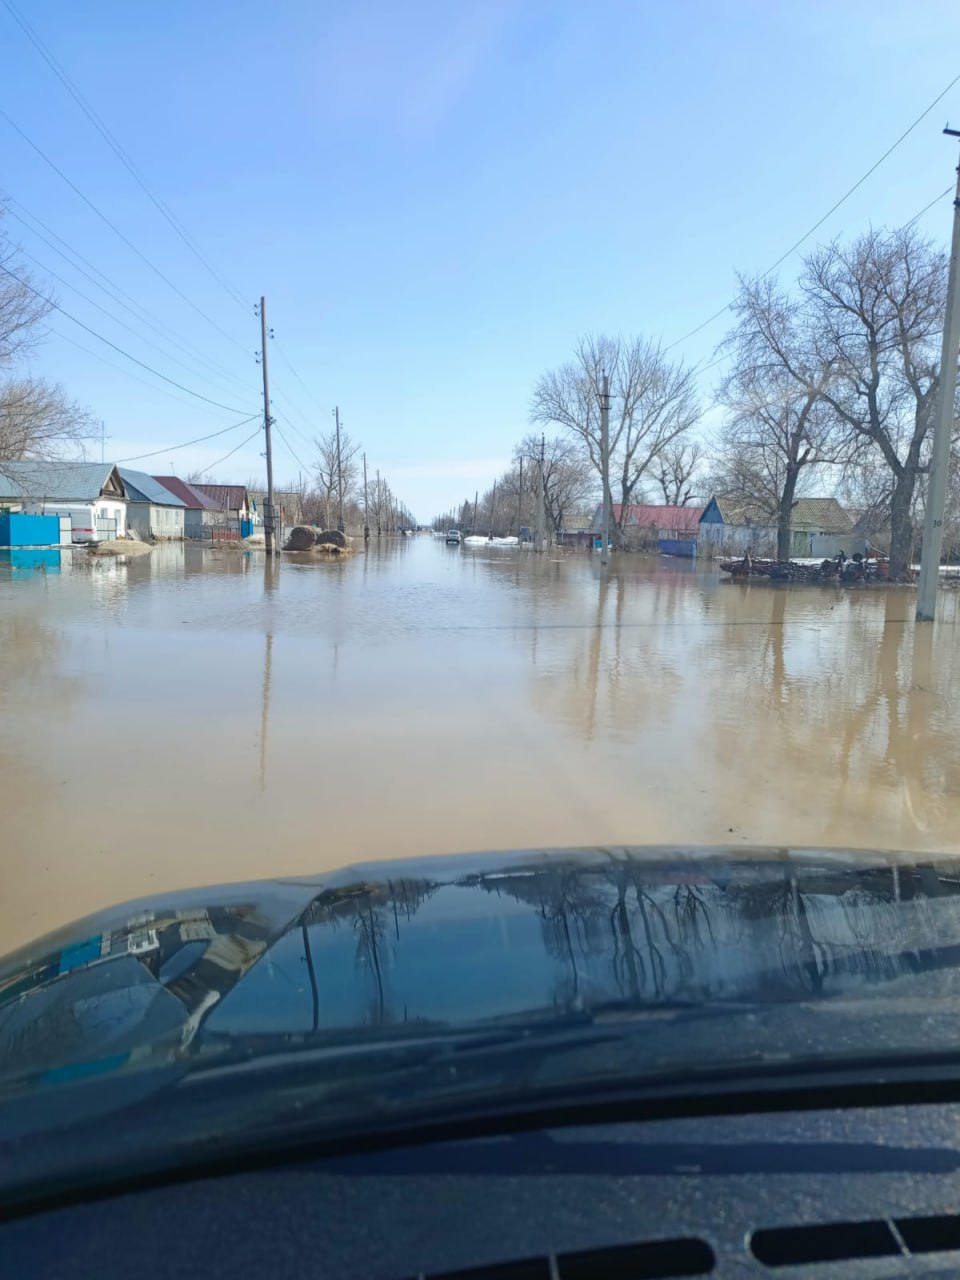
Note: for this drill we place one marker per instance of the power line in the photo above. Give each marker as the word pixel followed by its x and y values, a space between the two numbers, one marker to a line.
pixel 118 150
pixel 110 316
pixel 172 448
pixel 926 208
pixel 127 373
pixel 233 451
pixel 156 372
pixel 833 208
pixel 303 466
pixel 116 230
pixel 115 292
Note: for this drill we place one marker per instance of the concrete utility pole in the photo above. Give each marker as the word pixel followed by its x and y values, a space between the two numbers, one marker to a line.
pixel 476 500
pixel 605 469
pixel 268 525
pixel 940 458
pixel 379 501
pixel 336 413
pixel 366 503
pixel 520 498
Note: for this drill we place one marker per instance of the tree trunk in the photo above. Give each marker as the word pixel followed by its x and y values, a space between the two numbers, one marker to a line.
pixel 784 513
pixel 901 526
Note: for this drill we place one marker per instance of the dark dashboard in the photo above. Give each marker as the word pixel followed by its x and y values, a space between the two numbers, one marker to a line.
pixel 830 1194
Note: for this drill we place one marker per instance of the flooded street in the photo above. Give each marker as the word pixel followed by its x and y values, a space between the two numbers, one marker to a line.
pixel 196 716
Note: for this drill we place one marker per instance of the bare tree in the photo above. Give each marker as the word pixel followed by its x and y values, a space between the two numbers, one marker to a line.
pixel 37 420
pixel 335 472
pixel 568 478
pixel 676 470
pixel 653 402
pixel 876 308
pixel 22 306
pixel 780 421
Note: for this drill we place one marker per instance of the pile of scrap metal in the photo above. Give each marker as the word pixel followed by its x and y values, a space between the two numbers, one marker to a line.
pixel 837 570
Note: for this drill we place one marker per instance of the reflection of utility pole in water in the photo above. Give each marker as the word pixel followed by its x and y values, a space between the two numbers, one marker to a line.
pixel 270 579
pixel 596 648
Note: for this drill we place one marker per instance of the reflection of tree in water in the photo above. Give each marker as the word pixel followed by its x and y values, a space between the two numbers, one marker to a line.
pixel 373 912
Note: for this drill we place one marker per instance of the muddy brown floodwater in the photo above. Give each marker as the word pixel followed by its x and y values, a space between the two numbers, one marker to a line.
pixel 196 716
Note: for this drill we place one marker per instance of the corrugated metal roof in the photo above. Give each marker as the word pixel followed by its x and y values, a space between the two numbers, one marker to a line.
pixel 823 515
pixel 226 497
pixel 140 486
pixel 60 481
pixel 676 519
pixel 188 495
pixel 739 511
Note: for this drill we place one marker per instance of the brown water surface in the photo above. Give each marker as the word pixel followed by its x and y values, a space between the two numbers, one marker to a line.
pixel 196 716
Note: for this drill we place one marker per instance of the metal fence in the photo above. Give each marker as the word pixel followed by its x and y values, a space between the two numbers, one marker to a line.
pixel 105 528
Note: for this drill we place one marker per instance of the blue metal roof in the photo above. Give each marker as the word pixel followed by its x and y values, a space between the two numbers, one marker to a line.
pixel 60 481
pixel 143 488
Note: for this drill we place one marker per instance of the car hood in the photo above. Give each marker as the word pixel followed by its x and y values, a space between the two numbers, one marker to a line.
pixel 441 943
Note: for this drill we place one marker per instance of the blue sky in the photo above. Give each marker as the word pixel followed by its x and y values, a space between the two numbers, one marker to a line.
pixel 438 196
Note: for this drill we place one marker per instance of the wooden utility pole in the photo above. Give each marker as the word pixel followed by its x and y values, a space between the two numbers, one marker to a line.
pixel 339 474
pixel 476 500
pixel 268 521
pixel 493 507
pixel 366 504
pixel 943 431
pixel 541 501
pixel 520 499
pixel 379 503
pixel 605 469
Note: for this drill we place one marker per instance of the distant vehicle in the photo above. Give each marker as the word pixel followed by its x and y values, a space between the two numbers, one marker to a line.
pixel 453 536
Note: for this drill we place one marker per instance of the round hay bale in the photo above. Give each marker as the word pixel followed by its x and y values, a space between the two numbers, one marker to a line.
pixel 331 538
pixel 301 538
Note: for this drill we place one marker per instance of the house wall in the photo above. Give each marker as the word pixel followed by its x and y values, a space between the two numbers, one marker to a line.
pixel 152 521
pixel 825 546
pixel 718 539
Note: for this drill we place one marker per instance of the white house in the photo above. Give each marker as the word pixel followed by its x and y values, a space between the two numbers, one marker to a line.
pixel 90 493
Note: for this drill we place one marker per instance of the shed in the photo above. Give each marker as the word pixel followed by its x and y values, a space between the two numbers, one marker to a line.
pixel 91 494
pixel 201 515
pixel 733 526
pixel 152 510
pixel 819 527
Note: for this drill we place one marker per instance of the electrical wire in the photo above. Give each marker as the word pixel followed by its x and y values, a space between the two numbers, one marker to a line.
pixel 926 208
pixel 156 372
pixel 116 230
pixel 119 151
pixel 233 451
pixel 128 373
pixel 115 292
pixel 172 448
pixel 110 316
pixel 302 465
pixel 833 208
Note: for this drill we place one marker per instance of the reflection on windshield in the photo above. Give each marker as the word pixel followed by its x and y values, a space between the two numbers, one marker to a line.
pixel 526 940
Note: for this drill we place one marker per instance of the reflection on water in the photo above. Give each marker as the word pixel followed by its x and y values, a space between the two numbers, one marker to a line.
pixel 198 715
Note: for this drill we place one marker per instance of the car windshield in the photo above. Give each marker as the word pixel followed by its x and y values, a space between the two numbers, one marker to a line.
pixel 481 430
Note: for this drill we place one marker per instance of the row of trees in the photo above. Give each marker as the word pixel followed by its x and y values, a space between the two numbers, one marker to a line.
pixel 339 495
pixel 832 384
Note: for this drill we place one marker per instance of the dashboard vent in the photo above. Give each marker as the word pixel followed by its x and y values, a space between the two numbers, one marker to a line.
pixel 844 1241
pixel 650 1260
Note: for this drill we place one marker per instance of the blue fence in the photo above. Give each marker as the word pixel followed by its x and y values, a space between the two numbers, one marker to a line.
pixel 17 530
pixel 677 547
